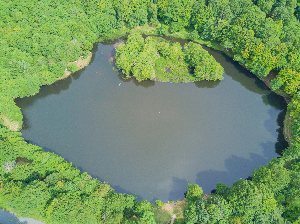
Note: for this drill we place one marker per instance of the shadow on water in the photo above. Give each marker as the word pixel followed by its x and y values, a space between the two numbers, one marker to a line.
pixel 208 179
pixel 281 143
pixel 243 75
pixel 176 191
pixel 233 67
pixel 122 190
pixel 279 103
pixel 146 84
pixel 274 100
pixel 207 84
pixel 53 89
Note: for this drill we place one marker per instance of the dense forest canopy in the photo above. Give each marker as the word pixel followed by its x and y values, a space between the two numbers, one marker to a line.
pixel 40 40
pixel 154 58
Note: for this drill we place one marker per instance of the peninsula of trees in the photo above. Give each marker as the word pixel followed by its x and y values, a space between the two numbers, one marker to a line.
pixel 154 58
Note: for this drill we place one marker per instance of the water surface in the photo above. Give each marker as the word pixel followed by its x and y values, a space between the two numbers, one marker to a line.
pixel 152 139
pixel 9 218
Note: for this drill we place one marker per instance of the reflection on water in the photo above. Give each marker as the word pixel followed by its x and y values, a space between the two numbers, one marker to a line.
pixel 152 139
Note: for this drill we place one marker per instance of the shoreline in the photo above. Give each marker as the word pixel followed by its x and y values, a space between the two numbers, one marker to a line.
pixel 83 62
pixel 80 63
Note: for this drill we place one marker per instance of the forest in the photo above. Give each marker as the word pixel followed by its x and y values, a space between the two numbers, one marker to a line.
pixel 154 58
pixel 39 40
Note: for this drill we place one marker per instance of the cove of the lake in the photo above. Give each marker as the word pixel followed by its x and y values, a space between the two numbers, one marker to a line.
pixel 152 139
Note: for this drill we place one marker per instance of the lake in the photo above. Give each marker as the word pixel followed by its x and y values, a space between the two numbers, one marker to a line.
pixel 152 139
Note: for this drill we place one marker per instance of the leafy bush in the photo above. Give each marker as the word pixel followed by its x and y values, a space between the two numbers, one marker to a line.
pixel 157 59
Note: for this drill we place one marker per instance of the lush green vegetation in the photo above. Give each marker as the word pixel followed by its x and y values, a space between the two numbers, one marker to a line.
pixel 154 58
pixel 39 42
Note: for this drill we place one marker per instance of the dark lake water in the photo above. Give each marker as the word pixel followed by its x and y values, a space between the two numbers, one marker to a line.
pixel 152 139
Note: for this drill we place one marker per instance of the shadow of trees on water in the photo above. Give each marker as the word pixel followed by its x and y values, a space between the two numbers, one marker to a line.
pixel 235 168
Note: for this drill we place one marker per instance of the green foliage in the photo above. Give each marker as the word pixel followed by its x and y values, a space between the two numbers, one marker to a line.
pixel 203 65
pixel 39 40
pixel 144 210
pixel 290 195
pixel 195 210
pixel 262 42
pixel 294 115
pixel 157 59
pixel 205 209
pixel 288 80
pixel 252 202
pixel 275 176
pixel 159 203
pixel 194 191
pixel 175 13
pixel 133 13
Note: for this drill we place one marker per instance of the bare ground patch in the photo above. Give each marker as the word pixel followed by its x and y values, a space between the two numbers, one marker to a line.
pixel 10 124
pixel 174 209
pixel 80 63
